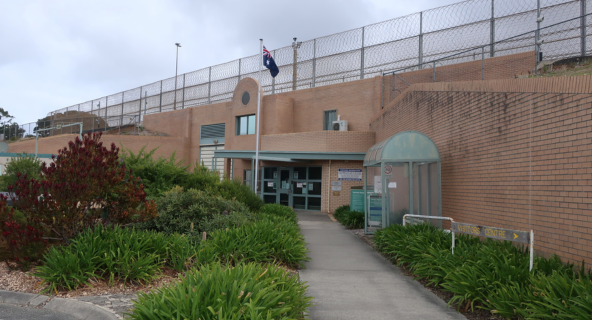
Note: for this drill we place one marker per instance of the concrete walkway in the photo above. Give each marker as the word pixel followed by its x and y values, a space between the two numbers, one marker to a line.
pixel 349 280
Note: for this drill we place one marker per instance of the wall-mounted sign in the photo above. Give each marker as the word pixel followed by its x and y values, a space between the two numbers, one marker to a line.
pixel 270 183
pixel 349 174
pixel 336 188
pixel 378 184
pixel 299 185
pixel 335 183
pixel 491 232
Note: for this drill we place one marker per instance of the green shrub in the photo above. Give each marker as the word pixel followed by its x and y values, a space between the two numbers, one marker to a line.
pixel 163 174
pixel 223 221
pixel 348 218
pixel 24 164
pixel 271 238
pixel 179 209
pixel 247 291
pixel 339 211
pixel 280 211
pixel 114 254
pixel 236 190
pixel 158 175
pixel 490 274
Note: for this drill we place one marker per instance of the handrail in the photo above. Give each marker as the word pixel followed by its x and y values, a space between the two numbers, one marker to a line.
pixel 435 218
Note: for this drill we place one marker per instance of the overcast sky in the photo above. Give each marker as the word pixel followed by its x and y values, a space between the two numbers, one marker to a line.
pixel 57 53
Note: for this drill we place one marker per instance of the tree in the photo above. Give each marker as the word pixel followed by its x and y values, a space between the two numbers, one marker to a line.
pixel 23 164
pixel 87 184
pixel 43 123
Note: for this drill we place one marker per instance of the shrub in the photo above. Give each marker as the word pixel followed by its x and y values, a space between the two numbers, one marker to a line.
pixel 86 182
pixel 348 218
pixel 490 274
pixel 281 211
pixel 179 209
pixel 223 221
pixel 24 164
pixel 246 291
pixel 114 254
pixel 161 175
pixel 158 175
pixel 23 236
pixel 272 238
pixel 235 189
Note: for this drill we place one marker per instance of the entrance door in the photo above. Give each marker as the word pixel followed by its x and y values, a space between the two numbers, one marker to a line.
pixel 285 187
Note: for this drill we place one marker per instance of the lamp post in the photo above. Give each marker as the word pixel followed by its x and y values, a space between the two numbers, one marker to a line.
pixel 176 69
pixel 295 46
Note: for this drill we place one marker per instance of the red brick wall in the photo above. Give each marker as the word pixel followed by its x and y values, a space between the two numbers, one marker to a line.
pixel 515 154
pixel 321 141
pixel 50 145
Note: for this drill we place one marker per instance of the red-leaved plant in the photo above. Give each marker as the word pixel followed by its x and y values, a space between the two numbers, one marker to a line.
pixel 86 185
pixel 23 236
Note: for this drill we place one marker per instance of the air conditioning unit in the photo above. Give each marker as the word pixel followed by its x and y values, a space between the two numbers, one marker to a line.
pixel 340 125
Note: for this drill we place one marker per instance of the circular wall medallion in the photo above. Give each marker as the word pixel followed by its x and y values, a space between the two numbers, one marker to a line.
pixel 246 98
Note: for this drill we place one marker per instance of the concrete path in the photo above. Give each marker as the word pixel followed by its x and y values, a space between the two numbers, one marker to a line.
pixel 349 280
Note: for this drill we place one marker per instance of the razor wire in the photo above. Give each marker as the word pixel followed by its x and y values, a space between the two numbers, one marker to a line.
pixel 441 34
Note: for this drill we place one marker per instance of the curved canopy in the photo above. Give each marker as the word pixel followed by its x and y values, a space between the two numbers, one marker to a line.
pixel 403 147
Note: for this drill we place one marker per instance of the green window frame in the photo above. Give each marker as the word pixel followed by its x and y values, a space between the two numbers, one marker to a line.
pixel 245 125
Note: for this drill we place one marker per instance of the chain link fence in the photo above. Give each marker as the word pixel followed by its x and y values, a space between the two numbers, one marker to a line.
pixel 119 124
pixel 567 39
pixel 444 35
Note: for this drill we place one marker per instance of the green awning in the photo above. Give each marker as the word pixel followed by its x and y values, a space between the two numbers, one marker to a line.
pixel 403 147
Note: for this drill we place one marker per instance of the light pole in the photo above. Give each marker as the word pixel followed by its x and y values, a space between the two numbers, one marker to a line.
pixel 176 69
pixel 295 46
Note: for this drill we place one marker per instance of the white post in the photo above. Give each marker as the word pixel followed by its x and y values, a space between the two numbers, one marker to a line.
pixel 258 116
pixel 531 250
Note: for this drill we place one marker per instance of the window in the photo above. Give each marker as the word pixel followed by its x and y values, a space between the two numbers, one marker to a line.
pixel 245 125
pixel 330 116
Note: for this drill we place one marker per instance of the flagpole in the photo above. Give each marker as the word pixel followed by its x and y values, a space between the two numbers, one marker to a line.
pixel 258 115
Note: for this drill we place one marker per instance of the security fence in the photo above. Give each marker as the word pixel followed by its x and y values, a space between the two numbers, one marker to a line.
pixel 567 39
pixel 411 41
pixel 120 124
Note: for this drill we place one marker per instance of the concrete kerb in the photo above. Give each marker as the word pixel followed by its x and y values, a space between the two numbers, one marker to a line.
pixel 78 309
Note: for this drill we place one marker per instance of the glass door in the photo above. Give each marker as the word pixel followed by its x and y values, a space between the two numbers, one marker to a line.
pixel 285 187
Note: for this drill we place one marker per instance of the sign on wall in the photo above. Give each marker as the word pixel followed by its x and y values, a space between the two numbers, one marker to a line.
pixel 349 174
pixel 491 232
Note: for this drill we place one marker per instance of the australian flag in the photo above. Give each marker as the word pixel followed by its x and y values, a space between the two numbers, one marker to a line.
pixel 270 63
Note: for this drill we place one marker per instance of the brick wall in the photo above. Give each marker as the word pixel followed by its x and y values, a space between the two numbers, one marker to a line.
pixel 504 67
pixel 50 145
pixel 321 141
pixel 515 154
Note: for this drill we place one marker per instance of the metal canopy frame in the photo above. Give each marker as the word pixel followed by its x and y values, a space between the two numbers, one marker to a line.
pixel 410 149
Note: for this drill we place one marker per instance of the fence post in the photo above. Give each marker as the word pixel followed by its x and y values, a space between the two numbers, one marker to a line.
pixel 145 101
pixel 239 69
pixel 183 96
pixel 314 62
pixel 420 58
pixel 382 104
pixel 140 106
pixel 160 104
pixel 434 71
pixel 537 33
pixel 482 63
pixel 273 80
pixel 210 86
pixel 121 116
pixel 583 27
pixel 362 55
pixel 92 102
pixel 106 105
pixel 492 29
